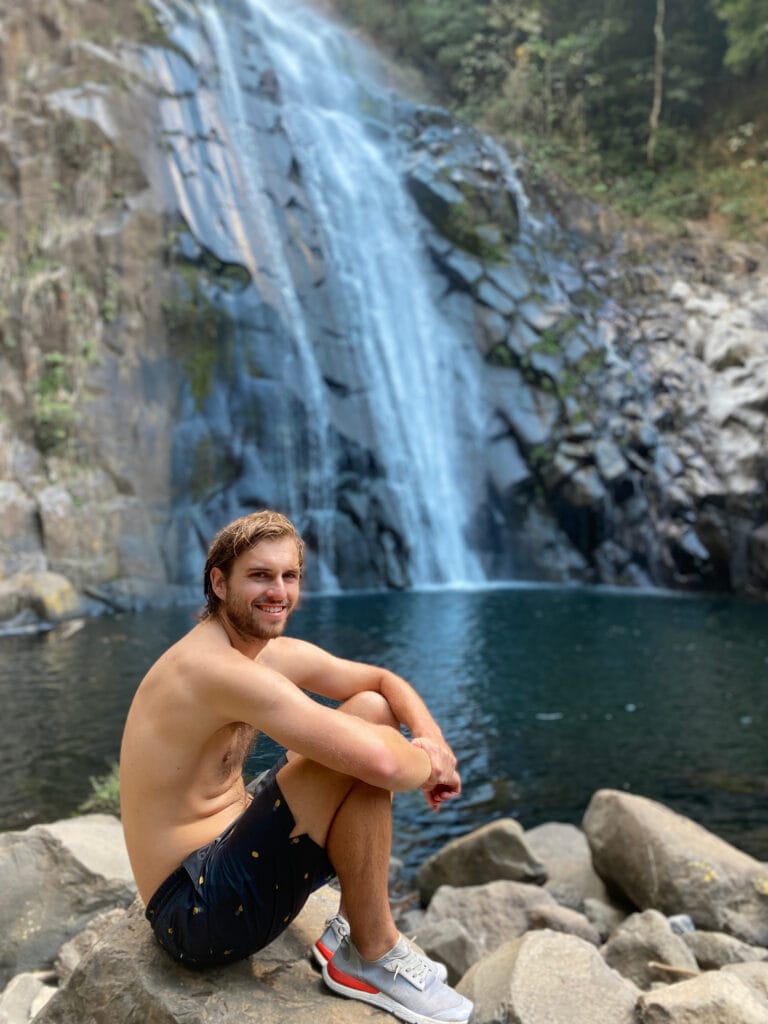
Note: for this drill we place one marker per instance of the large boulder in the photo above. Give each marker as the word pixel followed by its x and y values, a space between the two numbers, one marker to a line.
pixel 449 942
pixel 712 998
pixel 491 914
pixel 55 879
pixel 127 977
pixel 495 851
pixel 662 860
pixel 564 851
pixel 548 978
pixel 754 975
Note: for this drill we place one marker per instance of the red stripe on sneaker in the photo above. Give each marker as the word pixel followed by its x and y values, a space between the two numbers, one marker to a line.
pixel 323 950
pixel 348 981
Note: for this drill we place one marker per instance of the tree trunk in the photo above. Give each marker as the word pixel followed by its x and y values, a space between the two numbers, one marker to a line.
pixel 658 83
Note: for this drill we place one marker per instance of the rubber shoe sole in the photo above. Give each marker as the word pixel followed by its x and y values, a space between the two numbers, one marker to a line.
pixel 353 988
pixel 321 954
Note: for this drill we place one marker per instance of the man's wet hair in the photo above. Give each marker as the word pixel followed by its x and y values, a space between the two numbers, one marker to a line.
pixel 238 536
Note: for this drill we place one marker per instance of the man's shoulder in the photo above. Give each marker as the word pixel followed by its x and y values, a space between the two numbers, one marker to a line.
pixel 281 646
pixel 196 651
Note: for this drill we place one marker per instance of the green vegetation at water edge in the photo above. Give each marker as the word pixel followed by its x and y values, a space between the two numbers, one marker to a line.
pixel 105 793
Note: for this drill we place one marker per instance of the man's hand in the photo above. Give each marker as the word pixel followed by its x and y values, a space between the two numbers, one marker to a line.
pixel 444 782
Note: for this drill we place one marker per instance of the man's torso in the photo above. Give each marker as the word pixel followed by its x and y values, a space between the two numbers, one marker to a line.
pixel 180 768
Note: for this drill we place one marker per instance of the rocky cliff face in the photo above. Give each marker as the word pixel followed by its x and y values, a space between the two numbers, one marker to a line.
pixel 628 381
pixel 624 383
pixel 87 387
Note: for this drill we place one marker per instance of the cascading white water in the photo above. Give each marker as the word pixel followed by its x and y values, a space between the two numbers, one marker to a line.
pixel 421 379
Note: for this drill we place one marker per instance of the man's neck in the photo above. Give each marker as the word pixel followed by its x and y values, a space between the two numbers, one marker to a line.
pixel 250 646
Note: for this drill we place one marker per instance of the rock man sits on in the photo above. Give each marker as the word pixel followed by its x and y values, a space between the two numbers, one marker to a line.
pixel 224 868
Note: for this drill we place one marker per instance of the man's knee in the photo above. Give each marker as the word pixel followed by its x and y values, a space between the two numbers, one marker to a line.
pixel 372 706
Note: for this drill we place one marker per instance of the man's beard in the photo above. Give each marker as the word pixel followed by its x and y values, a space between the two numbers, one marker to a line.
pixel 241 617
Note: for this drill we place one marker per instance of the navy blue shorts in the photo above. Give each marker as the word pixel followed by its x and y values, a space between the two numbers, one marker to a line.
pixel 234 896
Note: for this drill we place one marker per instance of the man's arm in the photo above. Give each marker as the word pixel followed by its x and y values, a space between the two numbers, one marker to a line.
pixel 314 669
pixel 233 688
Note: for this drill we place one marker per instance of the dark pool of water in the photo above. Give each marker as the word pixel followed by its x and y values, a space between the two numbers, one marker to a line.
pixel 545 694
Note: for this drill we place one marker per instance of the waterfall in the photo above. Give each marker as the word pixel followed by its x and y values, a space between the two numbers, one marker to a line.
pixel 385 370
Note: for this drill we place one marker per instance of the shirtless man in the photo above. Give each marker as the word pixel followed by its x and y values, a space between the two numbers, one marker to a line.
pixel 224 869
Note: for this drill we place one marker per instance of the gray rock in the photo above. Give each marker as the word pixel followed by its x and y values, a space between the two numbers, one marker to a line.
pixel 491 914
pixel 23 997
pixel 48 596
pixel 127 977
pixel 610 462
pixel 659 859
pixel 712 998
pixel 563 919
pixel 495 299
pixel 450 943
pixel 755 975
pixel 507 469
pixel 604 916
pixel 646 939
pixel 495 851
pixel 56 878
pixel 510 278
pixel 728 343
pixel 564 851
pixel 585 488
pixel 20 540
pixel 73 951
pixel 714 950
pixel 530 414
pixel 547 978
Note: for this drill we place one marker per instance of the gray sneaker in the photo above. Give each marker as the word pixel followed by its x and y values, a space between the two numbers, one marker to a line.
pixel 401 982
pixel 337 928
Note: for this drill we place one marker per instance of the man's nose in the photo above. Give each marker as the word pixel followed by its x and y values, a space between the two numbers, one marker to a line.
pixel 277 587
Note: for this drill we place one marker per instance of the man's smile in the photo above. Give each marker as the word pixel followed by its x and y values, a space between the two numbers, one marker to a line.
pixel 270 609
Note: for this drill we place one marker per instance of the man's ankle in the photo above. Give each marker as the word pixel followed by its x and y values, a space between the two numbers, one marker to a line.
pixel 375 947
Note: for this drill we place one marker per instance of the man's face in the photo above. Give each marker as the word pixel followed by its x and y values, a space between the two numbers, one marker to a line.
pixel 262 588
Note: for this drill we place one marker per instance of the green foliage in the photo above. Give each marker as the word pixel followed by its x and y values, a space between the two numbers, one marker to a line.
pixel 105 793
pixel 150 28
pixel 54 406
pixel 746 29
pixel 109 306
pixel 576 84
pixel 199 333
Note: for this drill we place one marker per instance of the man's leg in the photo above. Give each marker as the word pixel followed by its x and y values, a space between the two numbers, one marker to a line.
pixel 353 821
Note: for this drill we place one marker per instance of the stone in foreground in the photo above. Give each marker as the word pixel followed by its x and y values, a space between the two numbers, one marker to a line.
pixel 661 860
pixel 491 914
pixel 548 978
pixel 712 998
pixel 55 879
pixel 495 851
pixel 127 977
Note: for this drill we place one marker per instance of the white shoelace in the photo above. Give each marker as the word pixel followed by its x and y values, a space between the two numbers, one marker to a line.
pixel 412 967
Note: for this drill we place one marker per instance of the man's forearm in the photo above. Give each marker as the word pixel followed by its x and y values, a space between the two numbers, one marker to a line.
pixel 408 707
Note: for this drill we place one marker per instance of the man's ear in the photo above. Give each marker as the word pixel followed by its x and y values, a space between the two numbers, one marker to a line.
pixel 218 583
